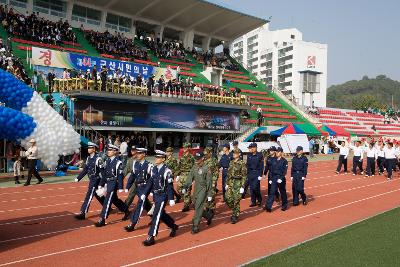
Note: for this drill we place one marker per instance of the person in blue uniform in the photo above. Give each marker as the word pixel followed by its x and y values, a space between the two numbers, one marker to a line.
pixel 140 176
pixel 235 145
pixel 267 169
pixel 278 181
pixel 160 184
pixel 224 165
pixel 112 175
pixel 255 168
pixel 298 175
pixel 92 169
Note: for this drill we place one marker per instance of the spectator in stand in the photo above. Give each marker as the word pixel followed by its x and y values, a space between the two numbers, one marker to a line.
pixel 35 81
pixel 50 78
pixel 32 27
pixel 94 76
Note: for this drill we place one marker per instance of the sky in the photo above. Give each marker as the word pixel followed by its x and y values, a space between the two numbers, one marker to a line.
pixel 363 37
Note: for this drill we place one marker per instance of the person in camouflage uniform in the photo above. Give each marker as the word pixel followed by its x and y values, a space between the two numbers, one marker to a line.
pixel 237 173
pixel 127 173
pixel 201 175
pixel 185 165
pixel 212 165
pixel 172 164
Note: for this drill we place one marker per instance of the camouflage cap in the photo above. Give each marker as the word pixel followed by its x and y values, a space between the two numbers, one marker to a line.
pixel 187 145
pixel 208 150
pixel 236 151
pixel 169 149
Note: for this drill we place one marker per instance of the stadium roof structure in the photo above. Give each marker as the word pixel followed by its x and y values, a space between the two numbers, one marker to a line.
pixel 204 18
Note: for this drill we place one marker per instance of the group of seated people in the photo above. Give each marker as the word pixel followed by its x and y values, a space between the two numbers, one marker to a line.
pixel 115 81
pixel 115 44
pixel 32 27
pixel 12 64
pixel 165 49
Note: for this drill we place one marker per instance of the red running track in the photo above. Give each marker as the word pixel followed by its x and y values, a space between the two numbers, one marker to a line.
pixel 37 227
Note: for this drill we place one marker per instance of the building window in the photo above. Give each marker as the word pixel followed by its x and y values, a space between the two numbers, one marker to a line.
pixel 292 36
pixel 118 23
pixel 55 7
pixel 310 82
pixel 19 3
pixel 86 15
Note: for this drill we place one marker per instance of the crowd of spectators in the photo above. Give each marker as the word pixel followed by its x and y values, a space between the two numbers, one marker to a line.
pixel 12 64
pixel 115 44
pixel 32 27
pixel 166 49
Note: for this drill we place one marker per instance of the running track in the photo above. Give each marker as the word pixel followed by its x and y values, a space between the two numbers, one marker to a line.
pixel 37 227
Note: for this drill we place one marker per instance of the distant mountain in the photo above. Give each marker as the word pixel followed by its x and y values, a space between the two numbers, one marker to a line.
pixel 380 88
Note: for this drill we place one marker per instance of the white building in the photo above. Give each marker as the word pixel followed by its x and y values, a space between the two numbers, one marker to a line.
pixel 283 60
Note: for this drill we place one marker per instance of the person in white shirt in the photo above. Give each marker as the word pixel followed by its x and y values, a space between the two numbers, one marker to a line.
pixel 123 150
pixel 372 155
pixel 32 156
pixel 390 159
pixel 344 153
pixel 358 157
pixel 381 157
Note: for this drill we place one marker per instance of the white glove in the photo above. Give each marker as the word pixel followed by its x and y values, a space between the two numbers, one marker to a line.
pixel 172 202
pixel 126 190
pixel 303 178
pixel 100 192
pixel 259 178
pixel 226 187
pixel 241 190
pixel 209 199
pixel 345 157
pixel 120 190
pixel 270 181
pixel 360 160
pixel 291 178
pixel 177 178
pixel 151 194
pixel 183 191
pixel 76 180
pixel 143 197
pixel 279 181
pixel 99 187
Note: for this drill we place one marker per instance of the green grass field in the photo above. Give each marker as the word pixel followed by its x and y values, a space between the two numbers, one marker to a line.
pixel 373 242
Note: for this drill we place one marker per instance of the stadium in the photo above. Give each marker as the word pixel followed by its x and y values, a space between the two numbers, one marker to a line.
pixel 107 80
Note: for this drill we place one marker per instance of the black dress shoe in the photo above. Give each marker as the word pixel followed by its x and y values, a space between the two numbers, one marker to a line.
pixel 100 223
pixel 259 204
pixel 234 220
pixel 80 216
pixel 40 181
pixel 185 208
pixel 129 228
pixel 305 202
pixel 173 230
pixel 149 241
pixel 253 205
pixel 210 217
pixel 126 215
pixel 295 204
pixel 25 184
pixel 17 182
pixel 284 208
pixel 268 210
pixel 195 230
pixel 178 199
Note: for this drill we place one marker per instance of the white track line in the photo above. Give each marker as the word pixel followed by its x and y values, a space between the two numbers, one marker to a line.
pixel 257 229
pixel 40 190
pixel 186 225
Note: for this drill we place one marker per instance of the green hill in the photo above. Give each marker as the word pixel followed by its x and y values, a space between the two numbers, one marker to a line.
pixel 380 88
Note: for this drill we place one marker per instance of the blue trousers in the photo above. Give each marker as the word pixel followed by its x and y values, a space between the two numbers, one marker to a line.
pixel 298 189
pixel 140 206
pixel 255 191
pixel 160 201
pixel 357 163
pixel 381 164
pixel 277 195
pixel 390 165
pixel 282 189
pixel 224 176
pixel 112 198
pixel 370 166
pixel 91 191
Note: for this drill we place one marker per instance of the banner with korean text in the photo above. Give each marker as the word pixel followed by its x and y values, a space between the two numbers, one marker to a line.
pixel 58 59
